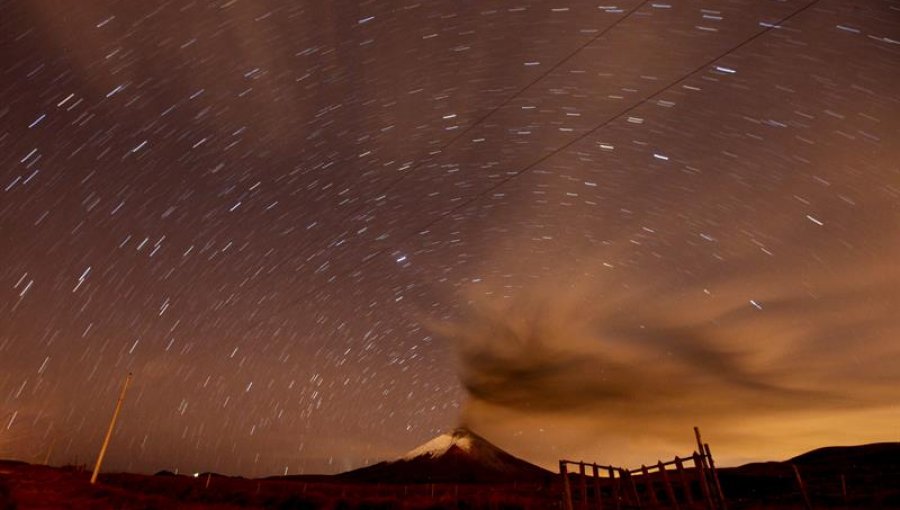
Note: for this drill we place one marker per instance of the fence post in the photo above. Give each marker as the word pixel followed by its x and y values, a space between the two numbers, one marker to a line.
pixel 685 483
pixel 704 468
pixel 704 484
pixel 715 475
pixel 634 493
pixel 806 502
pixel 670 492
pixel 582 485
pixel 598 496
pixel 700 445
pixel 567 490
pixel 648 485
pixel 616 487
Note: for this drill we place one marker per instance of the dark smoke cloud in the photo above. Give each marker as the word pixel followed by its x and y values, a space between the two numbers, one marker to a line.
pixel 534 354
pixel 642 367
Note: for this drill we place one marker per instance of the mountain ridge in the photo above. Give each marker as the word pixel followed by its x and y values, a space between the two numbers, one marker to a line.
pixel 459 456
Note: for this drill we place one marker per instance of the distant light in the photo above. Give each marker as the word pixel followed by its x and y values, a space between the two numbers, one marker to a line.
pixel 725 70
pixel 196 475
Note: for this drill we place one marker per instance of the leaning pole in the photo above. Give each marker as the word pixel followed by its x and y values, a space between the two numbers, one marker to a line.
pixel 109 432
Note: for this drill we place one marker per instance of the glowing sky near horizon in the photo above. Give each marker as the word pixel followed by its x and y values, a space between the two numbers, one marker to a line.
pixel 320 234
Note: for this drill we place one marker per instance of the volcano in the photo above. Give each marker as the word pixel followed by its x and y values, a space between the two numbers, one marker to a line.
pixel 460 456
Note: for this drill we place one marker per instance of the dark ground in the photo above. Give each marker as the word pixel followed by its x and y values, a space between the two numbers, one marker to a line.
pixel 871 475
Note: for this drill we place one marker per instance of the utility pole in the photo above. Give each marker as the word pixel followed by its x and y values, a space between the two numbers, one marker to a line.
pixel 112 426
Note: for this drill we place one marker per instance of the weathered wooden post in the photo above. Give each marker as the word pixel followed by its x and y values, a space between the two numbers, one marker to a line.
pixel 685 483
pixel 648 485
pixel 633 486
pixel 567 490
pixel 699 444
pixel 715 476
pixel 670 492
pixel 806 502
pixel 598 496
pixel 704 468
pixel 616 487
pixel 582 485
pixel 704 483
pixel 109 432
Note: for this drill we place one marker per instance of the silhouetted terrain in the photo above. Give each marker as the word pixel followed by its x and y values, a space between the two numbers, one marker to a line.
pixel 871 476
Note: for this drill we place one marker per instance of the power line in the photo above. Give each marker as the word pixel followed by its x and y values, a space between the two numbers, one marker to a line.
pixel 767 28
pixel 391 185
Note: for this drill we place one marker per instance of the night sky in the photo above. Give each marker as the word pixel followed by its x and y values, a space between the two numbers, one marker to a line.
pixel 321 233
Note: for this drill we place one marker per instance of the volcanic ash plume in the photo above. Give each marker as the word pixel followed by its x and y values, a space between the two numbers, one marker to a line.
pixel 640 368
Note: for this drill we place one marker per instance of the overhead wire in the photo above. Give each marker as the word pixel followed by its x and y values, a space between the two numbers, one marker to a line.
pixel 767 28
pixel 411 170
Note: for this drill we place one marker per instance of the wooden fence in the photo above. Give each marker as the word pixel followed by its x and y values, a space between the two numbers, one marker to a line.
pixel 689 482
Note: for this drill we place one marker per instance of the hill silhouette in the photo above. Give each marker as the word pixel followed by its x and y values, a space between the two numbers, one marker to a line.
pixel 460 456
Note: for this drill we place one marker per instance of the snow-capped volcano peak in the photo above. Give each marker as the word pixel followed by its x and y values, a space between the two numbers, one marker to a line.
pixel 461 438
pixel 460 456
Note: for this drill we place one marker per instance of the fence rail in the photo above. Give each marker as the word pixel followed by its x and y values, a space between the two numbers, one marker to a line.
pixel 694 484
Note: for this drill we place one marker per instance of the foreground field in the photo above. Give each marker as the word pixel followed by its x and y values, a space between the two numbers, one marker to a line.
pixel 25 486
pixel 863 477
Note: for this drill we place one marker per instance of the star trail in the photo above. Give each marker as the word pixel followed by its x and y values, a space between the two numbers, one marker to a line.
pixel 321 233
